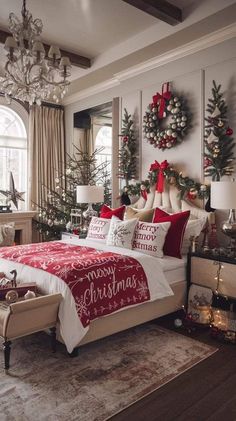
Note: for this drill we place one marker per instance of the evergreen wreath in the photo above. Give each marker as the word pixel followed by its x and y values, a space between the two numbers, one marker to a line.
pixel 164 105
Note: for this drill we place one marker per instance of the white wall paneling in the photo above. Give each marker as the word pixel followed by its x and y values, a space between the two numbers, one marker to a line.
pixel 192 77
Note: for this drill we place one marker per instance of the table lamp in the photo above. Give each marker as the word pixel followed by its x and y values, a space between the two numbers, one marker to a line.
pixel 89 195
pixel 223 196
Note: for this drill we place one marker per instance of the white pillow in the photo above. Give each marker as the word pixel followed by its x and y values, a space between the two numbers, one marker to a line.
pixel 193 229
pixel 121 233
pixel 7 234
pixel 149 238
pixel 98 229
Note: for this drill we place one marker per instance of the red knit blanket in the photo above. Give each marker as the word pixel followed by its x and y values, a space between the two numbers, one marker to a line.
pixel 101 282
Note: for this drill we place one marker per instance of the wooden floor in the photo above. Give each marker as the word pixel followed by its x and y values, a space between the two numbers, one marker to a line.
pixel 205 392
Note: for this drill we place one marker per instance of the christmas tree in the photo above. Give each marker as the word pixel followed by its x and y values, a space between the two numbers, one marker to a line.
pixel 219 144
pixel 55 212
pixel 127 158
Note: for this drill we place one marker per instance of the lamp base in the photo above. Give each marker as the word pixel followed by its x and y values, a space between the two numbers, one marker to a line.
pixel 87 216
pixel 229 229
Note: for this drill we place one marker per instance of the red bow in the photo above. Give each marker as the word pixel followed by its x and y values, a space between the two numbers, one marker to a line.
pixel 144 194
pixel 161 99
pixel 160 176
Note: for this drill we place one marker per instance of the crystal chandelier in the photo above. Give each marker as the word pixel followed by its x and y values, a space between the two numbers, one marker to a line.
pixel 30 75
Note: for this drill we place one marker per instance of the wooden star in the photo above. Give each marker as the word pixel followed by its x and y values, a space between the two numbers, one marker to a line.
pixel 12 194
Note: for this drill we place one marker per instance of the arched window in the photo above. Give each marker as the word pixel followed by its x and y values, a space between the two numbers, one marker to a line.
pixel 13 152
pixel 104 140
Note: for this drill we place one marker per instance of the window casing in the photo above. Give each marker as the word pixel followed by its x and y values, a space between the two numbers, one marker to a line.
pixel 13 153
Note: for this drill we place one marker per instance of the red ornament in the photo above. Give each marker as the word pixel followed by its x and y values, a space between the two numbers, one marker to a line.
pixel 229 131
pixel 125 139
pixel 192 195
pixel 207 162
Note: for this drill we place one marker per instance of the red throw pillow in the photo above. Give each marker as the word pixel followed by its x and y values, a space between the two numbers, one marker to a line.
pixel 175 235
pixel 107 212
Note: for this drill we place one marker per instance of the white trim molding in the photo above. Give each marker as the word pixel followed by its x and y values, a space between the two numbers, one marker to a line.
pixel 95 89
pixel 180 52
pixel 192 47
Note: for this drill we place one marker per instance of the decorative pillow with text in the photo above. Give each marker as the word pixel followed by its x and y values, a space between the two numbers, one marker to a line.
pixel 121 233
pixel 98 229
pixel 149 238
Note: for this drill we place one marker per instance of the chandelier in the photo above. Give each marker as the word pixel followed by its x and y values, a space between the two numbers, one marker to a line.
pixel 31 75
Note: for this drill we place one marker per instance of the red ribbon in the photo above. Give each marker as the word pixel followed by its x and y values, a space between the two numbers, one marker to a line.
pixel 160 176
pixel 160 99
pixel 144 194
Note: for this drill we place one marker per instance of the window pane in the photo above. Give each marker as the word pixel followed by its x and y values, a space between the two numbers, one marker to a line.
pixel 13 154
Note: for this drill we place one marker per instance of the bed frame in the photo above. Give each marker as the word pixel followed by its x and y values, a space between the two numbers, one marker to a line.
pixel 134 316
pixel 137 315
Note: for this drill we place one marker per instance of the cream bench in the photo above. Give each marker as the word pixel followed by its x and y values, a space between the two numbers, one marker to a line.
pixel 26 317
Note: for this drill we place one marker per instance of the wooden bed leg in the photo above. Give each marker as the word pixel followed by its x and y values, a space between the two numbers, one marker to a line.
pixel 74 353
pixel 7 352
pixel 53 338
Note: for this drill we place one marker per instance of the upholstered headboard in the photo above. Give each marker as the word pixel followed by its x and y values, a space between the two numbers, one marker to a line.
pixel 171 201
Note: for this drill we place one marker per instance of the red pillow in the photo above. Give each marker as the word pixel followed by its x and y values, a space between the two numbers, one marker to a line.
pixel 175 235
pixel 107 212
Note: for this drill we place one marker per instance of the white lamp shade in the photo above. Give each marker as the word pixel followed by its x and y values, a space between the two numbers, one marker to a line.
pixel 89 194
pixel 223 194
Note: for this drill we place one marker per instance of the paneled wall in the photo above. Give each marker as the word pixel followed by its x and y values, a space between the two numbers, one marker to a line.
pixel 190 76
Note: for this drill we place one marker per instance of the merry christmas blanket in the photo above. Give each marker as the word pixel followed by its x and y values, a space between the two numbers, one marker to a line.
pixel 94 282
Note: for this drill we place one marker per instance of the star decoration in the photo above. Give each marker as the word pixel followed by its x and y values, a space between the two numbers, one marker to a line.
pixel 12 194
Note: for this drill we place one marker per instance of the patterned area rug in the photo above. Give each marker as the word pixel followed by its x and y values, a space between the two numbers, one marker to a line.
pixel 105 378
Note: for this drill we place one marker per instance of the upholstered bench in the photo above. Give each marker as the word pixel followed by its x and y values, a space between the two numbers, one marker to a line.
pixel 28 316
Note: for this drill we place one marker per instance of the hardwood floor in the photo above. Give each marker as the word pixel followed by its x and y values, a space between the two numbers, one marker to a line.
pixel 207 392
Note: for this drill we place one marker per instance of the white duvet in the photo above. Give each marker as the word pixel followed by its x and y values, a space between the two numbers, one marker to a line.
pixel 71 328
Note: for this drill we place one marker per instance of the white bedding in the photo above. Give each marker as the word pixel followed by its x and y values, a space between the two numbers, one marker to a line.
pixel 174 269
pixel 71 329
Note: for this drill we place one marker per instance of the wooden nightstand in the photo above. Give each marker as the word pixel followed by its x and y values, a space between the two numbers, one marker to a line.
pixel 202 270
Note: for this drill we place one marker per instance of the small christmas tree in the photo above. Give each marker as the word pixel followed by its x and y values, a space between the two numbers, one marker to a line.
pixel 219 144
pixel 54 212
pixel 127 157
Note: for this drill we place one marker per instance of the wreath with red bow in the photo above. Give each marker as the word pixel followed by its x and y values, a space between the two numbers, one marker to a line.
pixel 164 105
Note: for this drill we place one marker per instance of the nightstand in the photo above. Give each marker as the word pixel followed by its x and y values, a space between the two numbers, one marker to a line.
pixel 70 236
pixel 202 270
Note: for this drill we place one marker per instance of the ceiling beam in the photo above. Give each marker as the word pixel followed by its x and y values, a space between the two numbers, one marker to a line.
pixel 76 59
pixel 160 9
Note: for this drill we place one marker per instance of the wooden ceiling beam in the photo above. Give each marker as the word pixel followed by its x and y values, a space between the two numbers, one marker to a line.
pixel 160 9
pixel 76 59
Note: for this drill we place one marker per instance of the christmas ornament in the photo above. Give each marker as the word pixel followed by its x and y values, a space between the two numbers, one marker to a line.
pixel 164 105
pixel 220 123
pixel 12 194
pixel 229 131
pixel 178 323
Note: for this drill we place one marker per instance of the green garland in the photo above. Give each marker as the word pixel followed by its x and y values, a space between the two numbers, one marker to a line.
pixel 187 187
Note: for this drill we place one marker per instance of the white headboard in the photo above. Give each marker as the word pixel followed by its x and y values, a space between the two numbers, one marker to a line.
pixel 170 199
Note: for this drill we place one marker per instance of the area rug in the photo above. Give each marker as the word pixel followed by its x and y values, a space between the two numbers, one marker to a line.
pixel 106 377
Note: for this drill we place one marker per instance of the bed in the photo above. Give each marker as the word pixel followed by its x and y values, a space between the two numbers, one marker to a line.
pixel 168 274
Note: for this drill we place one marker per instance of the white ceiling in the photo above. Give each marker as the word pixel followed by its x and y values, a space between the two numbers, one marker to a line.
pixel 103 30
